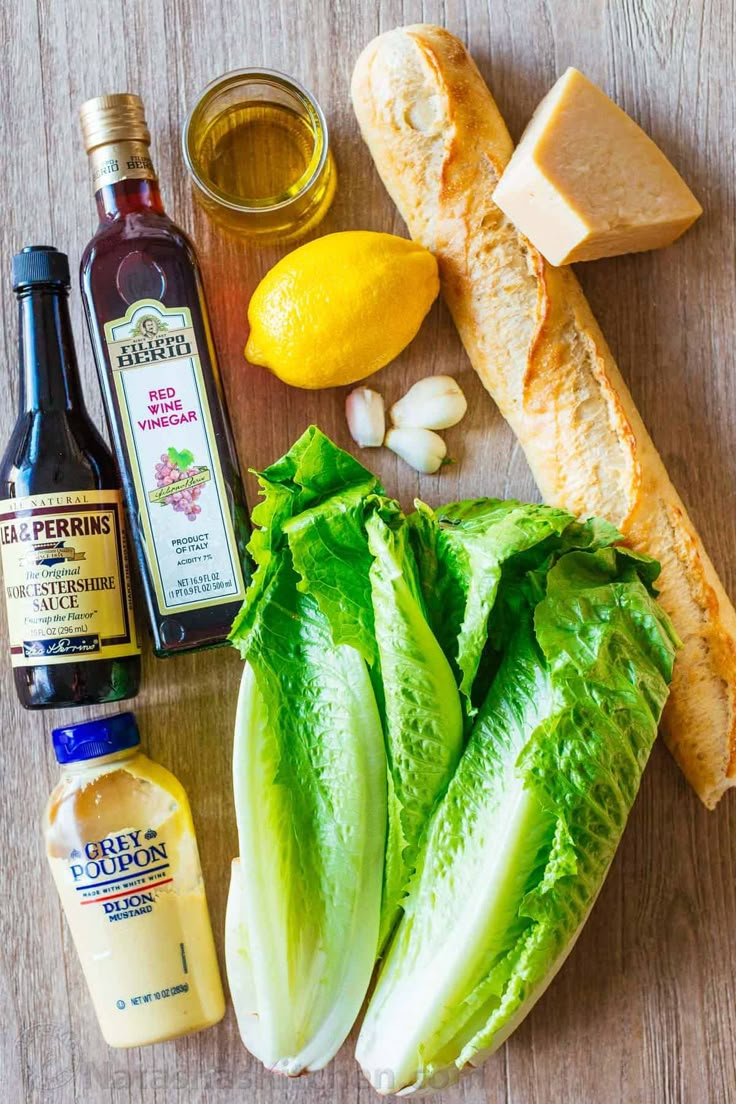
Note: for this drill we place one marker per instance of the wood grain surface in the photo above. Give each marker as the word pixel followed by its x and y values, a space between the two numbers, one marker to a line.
pixel 645 1008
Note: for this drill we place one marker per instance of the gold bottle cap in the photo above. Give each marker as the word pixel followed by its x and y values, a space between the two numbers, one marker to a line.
pixel 119 117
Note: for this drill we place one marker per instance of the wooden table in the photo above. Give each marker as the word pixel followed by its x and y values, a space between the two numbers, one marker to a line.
pixel 645 1009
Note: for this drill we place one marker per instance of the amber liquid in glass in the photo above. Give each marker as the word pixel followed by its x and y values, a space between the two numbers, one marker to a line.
pixel 137 254
pixel 257 146
pixel 257 153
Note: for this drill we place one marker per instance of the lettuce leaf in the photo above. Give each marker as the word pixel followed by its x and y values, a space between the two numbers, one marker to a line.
pixel 309 775
pixel 517 850
pixel 463 551
pixel 350 547
pixel 423 721
pixel 312 471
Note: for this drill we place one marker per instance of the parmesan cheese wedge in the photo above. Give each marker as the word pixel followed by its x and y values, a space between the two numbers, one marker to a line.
pixel 586 182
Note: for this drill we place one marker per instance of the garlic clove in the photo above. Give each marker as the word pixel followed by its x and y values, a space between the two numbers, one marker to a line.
pixel 421 448
pixel 436 402
pixel 364 411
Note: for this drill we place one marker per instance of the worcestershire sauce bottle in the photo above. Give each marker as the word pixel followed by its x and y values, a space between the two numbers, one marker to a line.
pixel 150 333
pixel 62 539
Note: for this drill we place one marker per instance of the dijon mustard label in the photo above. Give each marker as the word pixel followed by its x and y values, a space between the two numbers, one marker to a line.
pixel 66 578
pixel 120 161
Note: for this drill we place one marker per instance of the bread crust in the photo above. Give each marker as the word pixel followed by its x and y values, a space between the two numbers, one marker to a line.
pixel 440 146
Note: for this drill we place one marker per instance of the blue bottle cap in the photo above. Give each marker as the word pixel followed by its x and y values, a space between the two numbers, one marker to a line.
pixel 103 736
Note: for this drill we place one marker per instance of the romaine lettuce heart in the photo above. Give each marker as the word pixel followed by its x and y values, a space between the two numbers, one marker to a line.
pixel 309 773
pixel 350 547
pixel 517 850
pixel 371 643
pixel 335 589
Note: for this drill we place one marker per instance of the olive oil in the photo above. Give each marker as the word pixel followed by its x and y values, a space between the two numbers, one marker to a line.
pixel 257 152
pixel 257 147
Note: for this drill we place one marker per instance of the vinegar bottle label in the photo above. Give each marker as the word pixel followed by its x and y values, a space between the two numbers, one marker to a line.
pixel 66 578
pixel 181 494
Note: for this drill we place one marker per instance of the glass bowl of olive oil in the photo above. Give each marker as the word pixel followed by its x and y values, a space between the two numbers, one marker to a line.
pixel 257 148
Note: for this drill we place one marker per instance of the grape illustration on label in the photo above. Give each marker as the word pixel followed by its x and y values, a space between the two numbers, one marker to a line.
pixel 179 482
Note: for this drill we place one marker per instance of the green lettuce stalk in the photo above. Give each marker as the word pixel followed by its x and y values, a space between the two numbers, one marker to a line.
pixel 350 546
pixel 577 657
pixel 422 714
pixel 309 775
pixel 348 731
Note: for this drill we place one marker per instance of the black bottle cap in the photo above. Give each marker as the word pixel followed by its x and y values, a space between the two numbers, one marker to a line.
pixel 40 264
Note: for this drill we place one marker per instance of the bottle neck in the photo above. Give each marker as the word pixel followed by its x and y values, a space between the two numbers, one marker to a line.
pixel 49 372
pixel 101 763
pixel 126 197
pixel 124 180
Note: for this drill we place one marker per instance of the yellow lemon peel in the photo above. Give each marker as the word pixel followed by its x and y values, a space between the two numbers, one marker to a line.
pixel 339 308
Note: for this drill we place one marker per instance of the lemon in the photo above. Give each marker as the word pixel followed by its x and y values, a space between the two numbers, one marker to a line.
pixel 340 307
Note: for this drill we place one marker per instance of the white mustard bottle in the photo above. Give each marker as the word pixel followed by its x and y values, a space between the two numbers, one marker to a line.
pixel 120 842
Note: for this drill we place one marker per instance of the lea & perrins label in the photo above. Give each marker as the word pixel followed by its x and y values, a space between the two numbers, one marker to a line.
pixel 66 577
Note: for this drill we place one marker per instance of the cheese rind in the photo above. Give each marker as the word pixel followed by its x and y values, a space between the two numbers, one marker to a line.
pixel 586 182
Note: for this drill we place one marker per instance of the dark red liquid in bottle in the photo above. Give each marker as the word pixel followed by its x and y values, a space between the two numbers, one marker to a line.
pixel 172 439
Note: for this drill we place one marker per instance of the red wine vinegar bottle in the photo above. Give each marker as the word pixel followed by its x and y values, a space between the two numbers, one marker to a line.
pixel 148 323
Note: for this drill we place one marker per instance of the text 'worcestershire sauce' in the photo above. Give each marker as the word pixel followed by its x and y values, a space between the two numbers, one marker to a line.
pixel 66 581
pixel 148 322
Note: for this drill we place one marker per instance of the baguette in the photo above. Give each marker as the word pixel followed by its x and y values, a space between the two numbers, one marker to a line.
pixel 440 146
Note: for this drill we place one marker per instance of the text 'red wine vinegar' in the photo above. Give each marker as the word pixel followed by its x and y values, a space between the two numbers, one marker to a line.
pixel 148 322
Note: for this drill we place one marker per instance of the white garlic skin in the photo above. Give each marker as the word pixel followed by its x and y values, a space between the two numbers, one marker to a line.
pixel 366 417
pixel 423 450
pixel 436 402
